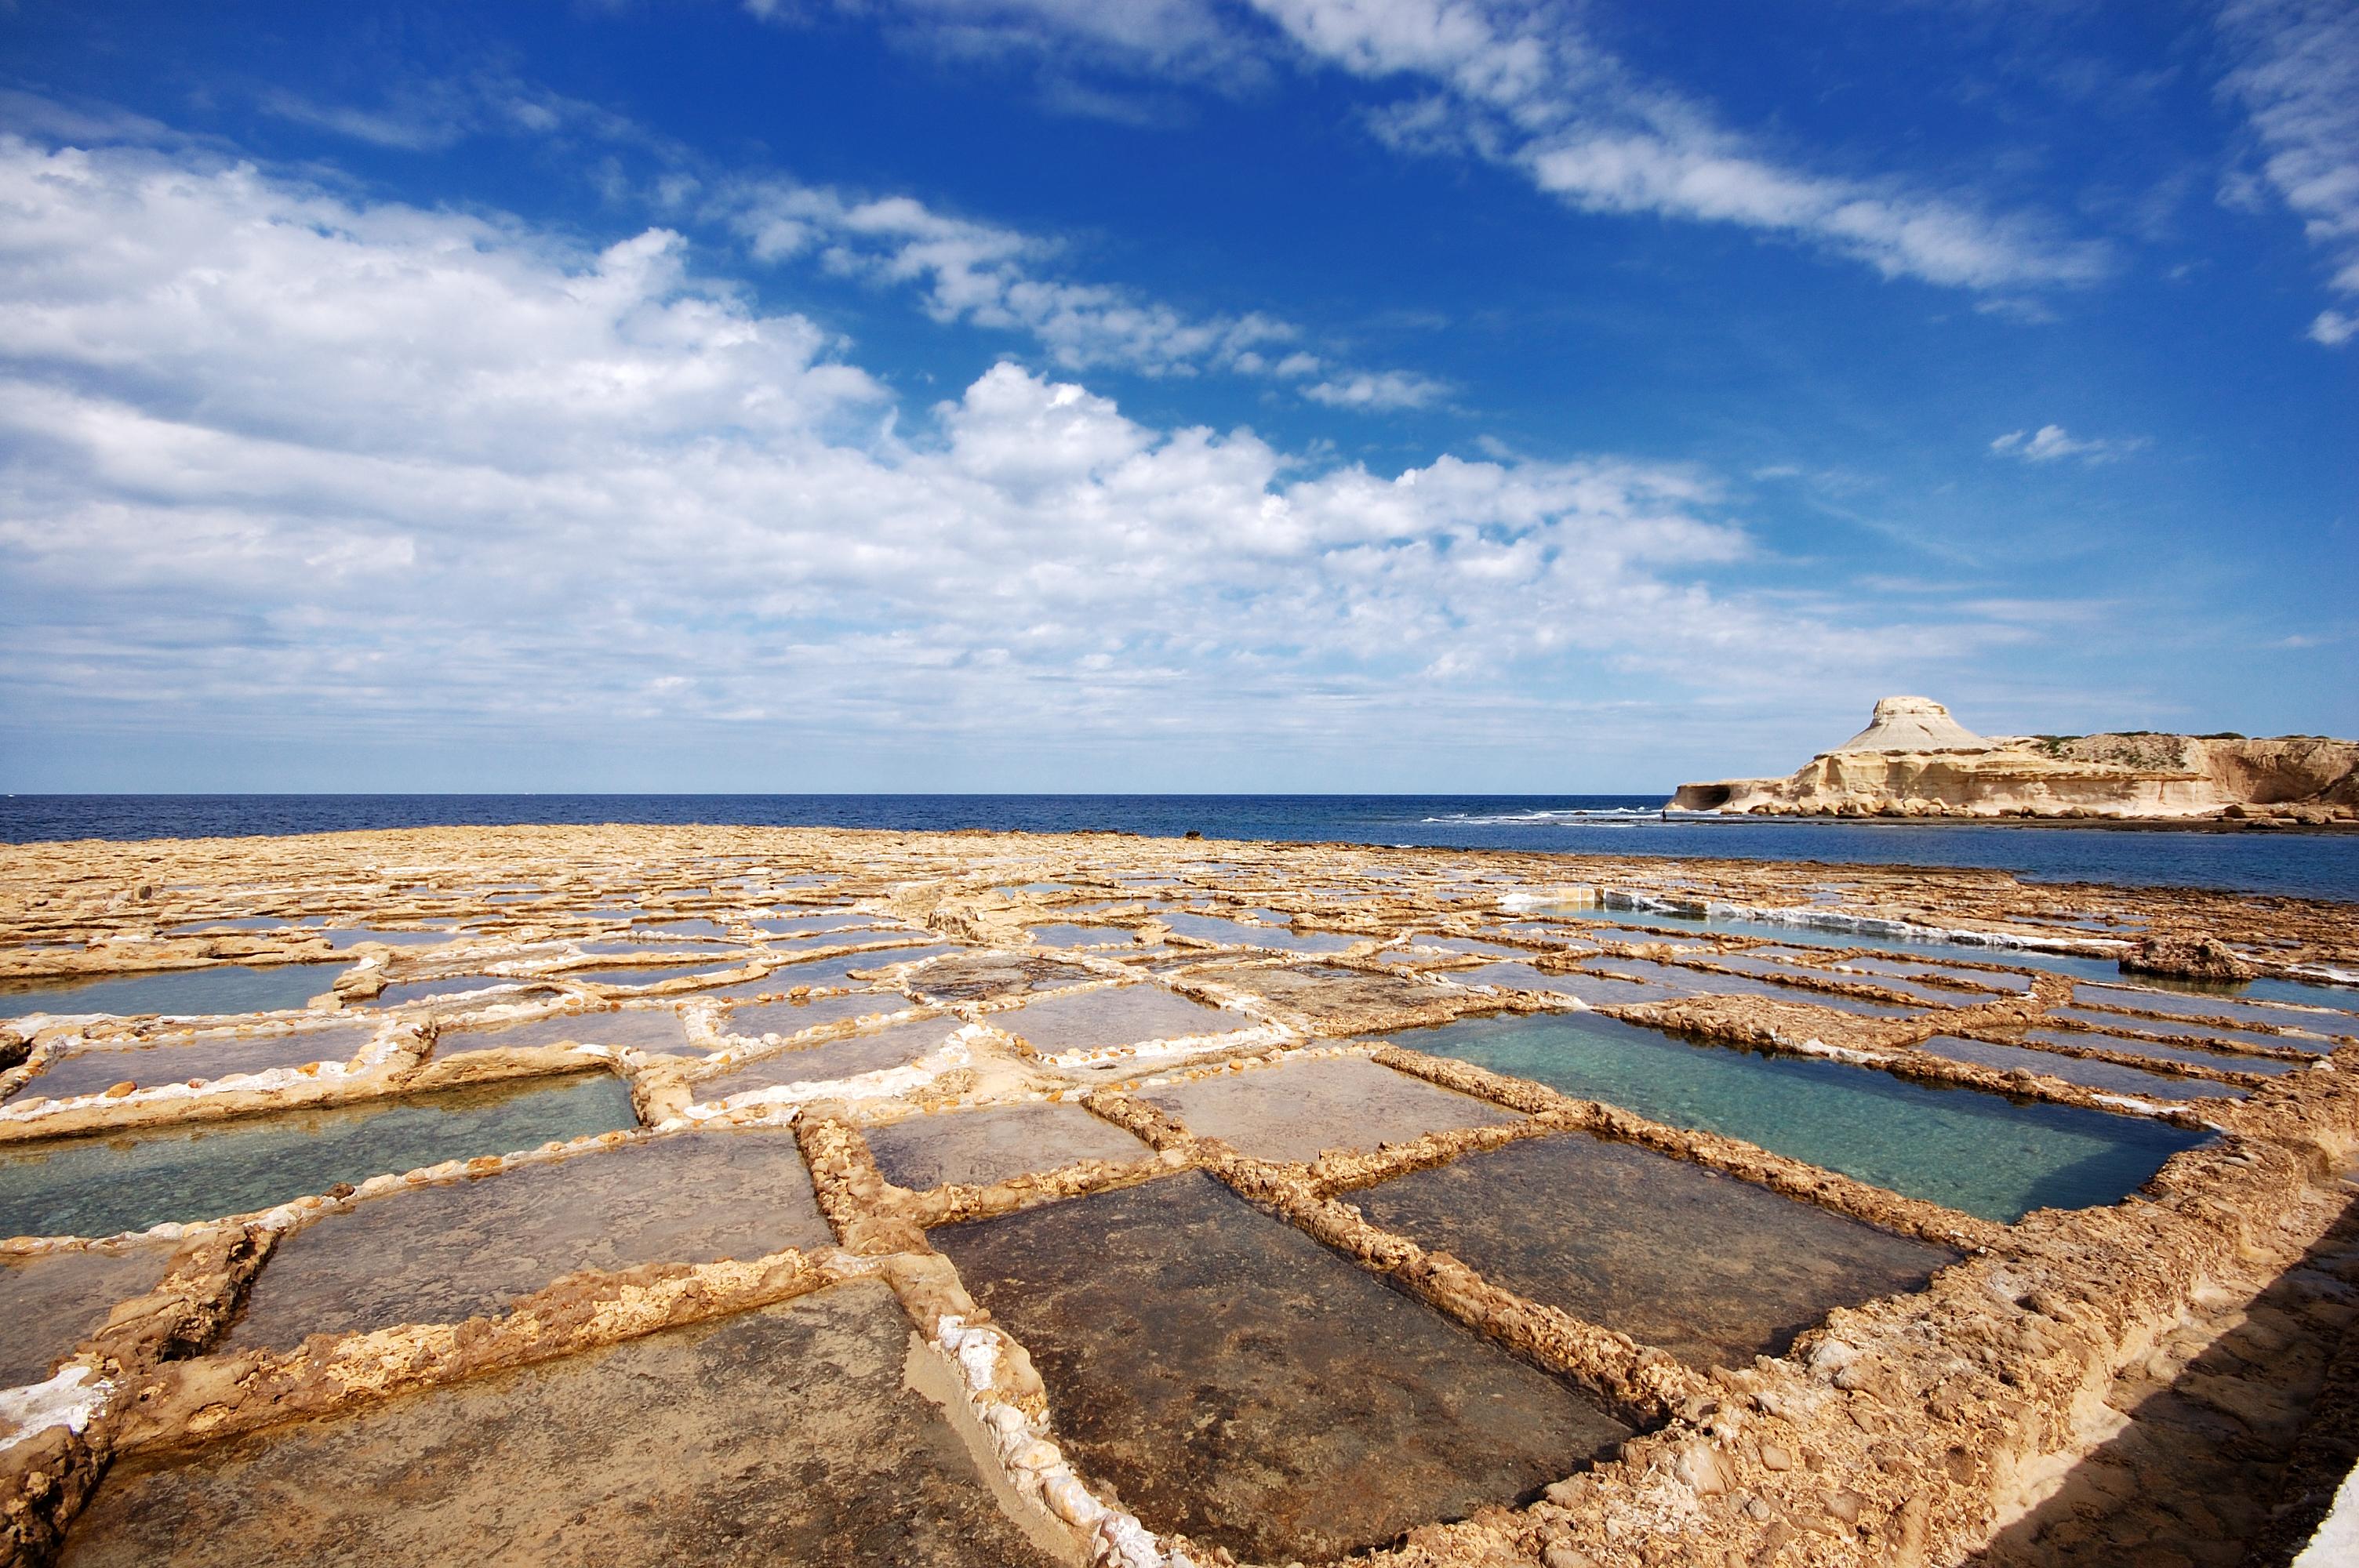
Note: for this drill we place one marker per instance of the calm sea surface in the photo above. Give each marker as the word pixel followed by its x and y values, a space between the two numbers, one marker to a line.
pixel 2318 865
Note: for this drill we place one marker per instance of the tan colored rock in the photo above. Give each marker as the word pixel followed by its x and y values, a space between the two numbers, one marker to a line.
pixel 2188 958
pixel 1914 760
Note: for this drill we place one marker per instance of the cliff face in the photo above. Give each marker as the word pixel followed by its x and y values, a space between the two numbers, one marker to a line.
pixel 1888 771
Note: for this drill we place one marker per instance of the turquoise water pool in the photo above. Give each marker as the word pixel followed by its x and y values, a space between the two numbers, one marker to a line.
pixel 99 1186
pixel 1981 1153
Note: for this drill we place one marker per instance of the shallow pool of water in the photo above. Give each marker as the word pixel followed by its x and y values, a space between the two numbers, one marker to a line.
pixel 53 1300
pixel 243 922
pixel 1978 1152
pixel 979 1147
pixel 639 975
pixel 784 1018
pixel 353 936
pixel 667 928
pixel 1115 1015
pixel 2224 1061
pixel 497 989
pixel 1234 1379
pixel 1714 1269
pixel 894 1045
pixel 2109 1076
pixel 461 1249
pixel 1299 1109
pixel 98 1185
pixel 976 976
pixel 97 1067
pixel 1211 928
pixel 2188 1028
pixel 638 1028
pixel 785 1435
pixel 2186 1005
pixel 219 989
pixel 1685 981
pixel 1081 936
pixel 1598 991
pixel 803 924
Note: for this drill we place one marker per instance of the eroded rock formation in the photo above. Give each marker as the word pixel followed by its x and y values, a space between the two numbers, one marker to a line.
pixel 1914 760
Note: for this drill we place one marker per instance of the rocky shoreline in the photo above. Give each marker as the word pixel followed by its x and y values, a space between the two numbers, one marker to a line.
pixel 1914 760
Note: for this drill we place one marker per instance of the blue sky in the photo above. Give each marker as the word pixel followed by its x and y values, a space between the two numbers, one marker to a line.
pixel 1184 394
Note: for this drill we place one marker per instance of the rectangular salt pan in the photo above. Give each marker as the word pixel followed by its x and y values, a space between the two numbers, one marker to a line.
pixel 1235 1380
pixel 186 993
pixel 2221 1008
pixel 825 973
pixel 2191 1029
pixel 2224 1061
pixel 440 1254
pixel 788 1436
pixel 99 1186
pixel 638 974
pixel 1302 1109
pixel 52 1301
pixel 496 989
pixel 1598 991
pixel 1981 1153
pixel 790 1018
pixel 1699 982
pixel 895 1046
pixel 976 976
pixel 95 1070
pixel 637 1028
pixel 1082 936
pixel 1117 1016
pixel 2109 1076
pixel 1714 1269
pixel 980 1146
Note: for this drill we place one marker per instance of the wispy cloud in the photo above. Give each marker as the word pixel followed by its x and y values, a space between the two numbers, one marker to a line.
pixel 1525 85
pixel 1001 279
pixel 1382 389
pixel 2298 81
pixel 2052 443
pixel 435 113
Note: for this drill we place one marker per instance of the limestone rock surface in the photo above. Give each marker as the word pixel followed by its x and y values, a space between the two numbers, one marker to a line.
pixel 1915 760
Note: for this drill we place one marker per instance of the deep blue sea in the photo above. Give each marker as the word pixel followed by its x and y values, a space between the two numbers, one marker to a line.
pixel 2317 865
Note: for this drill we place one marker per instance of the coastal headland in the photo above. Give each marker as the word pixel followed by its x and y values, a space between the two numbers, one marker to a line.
pixel 632 1192
pixel 1915 761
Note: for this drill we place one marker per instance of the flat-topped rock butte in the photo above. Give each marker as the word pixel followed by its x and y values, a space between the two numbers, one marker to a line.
pixel 1915 760
pixel 1283 1202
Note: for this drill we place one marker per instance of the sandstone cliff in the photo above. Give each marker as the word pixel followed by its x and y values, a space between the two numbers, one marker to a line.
pixel 1914 760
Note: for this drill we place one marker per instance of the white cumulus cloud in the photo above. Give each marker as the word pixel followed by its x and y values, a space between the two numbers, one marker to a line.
pixel 272 456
